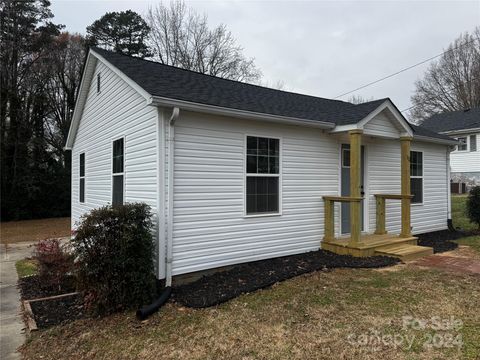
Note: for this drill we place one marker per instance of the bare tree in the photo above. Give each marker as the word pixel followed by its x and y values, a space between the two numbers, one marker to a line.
pixel 181 37
pixel 451 83
pixel 359 99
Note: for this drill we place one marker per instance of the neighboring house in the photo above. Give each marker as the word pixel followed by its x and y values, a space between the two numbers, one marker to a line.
pixel 236 172
pixel 465 159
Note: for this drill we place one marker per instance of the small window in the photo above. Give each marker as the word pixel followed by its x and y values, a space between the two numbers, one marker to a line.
pixel 345 157
pixel 416 176
pixel 118 172
pixel 82 178
pixel 98 83
pixel 473 142
pixel 462 146
pixel 263 175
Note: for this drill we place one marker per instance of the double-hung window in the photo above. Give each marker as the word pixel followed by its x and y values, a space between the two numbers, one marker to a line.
pixel 262 176
pixel 82 178
pixel 416 176
pixel 473 142
pixel 118 172
pixel 462 144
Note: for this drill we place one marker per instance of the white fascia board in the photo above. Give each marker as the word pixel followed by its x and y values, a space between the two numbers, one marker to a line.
pixel 212 109
pixel 460 132
pixel 124 77
pixel 435 140
pixel 80 102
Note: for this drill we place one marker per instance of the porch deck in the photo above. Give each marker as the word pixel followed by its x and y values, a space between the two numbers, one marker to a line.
pixel 404 248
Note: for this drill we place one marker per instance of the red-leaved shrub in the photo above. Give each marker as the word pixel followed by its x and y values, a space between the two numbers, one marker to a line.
pixel 54 262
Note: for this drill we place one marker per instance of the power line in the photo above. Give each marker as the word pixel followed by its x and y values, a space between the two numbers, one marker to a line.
pixel 404 69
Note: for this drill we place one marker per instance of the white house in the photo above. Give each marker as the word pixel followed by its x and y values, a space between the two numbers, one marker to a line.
pixel 236 172
pixel 465 127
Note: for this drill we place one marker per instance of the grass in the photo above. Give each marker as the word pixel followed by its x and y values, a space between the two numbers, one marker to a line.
pixel 459 216
pixel 321 315
pixel 26 267
pixel 33 230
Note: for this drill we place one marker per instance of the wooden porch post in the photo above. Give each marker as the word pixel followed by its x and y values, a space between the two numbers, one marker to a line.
pixel 406 199
pixel 355 169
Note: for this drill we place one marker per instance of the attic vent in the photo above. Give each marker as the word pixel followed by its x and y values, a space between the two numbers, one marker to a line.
pixel 98 82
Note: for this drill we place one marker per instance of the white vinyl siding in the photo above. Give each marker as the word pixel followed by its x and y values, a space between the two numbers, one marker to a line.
pixel 467 161
pixel 116 111
pixel 384 177
pixel 210 229
pixel 382 126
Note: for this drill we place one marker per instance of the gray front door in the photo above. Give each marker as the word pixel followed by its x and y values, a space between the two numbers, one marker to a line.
pixel 345 190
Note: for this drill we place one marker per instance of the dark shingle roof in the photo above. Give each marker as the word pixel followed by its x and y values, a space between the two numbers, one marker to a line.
pixel 455 120
pixel 175 83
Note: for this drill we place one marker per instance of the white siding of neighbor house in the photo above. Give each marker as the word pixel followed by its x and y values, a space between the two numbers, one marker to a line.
pixel 117 111
pixel 466 161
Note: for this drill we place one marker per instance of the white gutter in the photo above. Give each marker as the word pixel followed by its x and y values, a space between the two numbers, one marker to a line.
pixel 460 131
pixel 435 140
pixel 171 184
pixel 449 200
pixel 219 110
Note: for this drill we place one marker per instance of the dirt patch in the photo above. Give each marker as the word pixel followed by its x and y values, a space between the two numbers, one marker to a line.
pixel 57 311
pixel 34 230
pixel 223 286
pixel 32 288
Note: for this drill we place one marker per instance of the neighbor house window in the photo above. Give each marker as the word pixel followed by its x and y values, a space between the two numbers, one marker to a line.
pixel 462 146
pixel 118 172
pixel 263 175
pixel 82 178
pixel 416 176
pixel 473 142
pixel 98 83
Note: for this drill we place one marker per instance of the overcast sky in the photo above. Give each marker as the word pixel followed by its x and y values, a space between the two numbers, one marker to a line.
pixel 322 48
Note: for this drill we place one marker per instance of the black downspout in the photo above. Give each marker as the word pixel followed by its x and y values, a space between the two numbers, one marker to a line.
pixel 450 225
pixel 148 310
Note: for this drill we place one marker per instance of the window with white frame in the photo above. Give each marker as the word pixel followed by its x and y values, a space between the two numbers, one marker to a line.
pixel 81 191
pixel 118 172
pixel 473 142
pixel 462 144
pixel 416 176
pixel 262 175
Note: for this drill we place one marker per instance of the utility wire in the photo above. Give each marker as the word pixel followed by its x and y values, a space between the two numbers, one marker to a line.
pixel 404 69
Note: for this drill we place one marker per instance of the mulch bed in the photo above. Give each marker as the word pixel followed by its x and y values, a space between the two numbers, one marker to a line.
pixel 57 311
pixel 54 311
pixel 440 241
pixel 32 288
pixel 222 286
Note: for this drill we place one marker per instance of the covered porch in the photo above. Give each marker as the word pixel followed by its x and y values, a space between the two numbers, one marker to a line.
pixel 402 245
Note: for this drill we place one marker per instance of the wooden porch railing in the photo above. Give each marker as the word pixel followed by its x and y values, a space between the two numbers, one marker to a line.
pixel 380 200
pixel 329 215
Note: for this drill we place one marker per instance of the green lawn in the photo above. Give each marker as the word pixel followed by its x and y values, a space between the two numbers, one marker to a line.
pixel 26 267
pixel 461 220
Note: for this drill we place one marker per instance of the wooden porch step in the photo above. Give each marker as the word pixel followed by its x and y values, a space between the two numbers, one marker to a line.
pixel 404 252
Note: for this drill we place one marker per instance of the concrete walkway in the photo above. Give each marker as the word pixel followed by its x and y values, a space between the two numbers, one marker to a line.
pixel 12 334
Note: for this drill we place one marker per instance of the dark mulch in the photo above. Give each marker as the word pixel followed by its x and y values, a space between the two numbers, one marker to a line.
pixel 222 286
pixel 32 288
pixel 57 311
pixel 440 241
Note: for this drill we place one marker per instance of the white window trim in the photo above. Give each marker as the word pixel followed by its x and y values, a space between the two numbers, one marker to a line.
pixel 82 177
pixel 279 175
pixel 470 142
pixel 466 143
pixel 420 177
pixel 118 174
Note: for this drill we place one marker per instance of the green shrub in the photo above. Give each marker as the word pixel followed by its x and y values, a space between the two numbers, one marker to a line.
pixel 114 250
pixel 473 205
